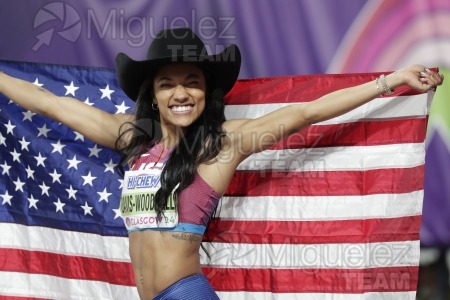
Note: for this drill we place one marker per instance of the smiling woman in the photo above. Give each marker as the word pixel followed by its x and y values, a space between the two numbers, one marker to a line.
pixel 179 106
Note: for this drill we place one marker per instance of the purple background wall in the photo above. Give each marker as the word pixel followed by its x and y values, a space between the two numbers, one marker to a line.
pixel 276 37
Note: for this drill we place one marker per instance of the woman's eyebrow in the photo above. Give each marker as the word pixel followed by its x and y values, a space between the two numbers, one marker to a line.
pixel 192 76
pixel 164 78
pixel 188 77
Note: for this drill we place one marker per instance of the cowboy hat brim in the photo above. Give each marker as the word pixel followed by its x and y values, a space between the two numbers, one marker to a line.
pixel 223 67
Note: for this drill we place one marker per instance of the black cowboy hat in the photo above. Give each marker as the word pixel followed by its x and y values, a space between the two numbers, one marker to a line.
pixel 178 45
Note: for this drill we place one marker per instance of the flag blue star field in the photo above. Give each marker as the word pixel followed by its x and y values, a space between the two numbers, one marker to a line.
pixel 59 178
pixel 54 179
pixel 332 211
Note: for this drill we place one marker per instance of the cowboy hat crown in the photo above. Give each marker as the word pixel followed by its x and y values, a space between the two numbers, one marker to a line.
pixel 178 45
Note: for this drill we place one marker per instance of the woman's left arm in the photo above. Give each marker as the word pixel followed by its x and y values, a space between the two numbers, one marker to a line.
pixel 255 135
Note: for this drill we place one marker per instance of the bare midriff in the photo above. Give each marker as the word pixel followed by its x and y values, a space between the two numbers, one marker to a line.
pixel 161 258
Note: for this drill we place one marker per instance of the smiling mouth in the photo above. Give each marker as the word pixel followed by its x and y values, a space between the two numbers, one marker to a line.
pixel 181 108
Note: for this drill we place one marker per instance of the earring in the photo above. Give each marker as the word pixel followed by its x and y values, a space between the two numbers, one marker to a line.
pixel 154 106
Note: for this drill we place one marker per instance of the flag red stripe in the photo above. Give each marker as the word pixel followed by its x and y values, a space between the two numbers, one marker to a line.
pixel 315 232
pixel 357 134
pixel 326 183
pixel 393 279
pixel 305 88
pixel 67 266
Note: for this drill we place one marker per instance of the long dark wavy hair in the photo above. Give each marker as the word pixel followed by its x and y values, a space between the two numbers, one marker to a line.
pixel 200 143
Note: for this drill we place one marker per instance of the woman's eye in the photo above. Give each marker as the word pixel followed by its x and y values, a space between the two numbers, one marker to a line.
pixel 192 83
pixel 164 85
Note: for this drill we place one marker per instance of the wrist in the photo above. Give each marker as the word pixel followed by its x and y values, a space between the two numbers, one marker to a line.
pixel 394 80
pixel 384 88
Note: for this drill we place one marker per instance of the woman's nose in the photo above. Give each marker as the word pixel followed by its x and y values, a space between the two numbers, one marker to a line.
pixel 180 93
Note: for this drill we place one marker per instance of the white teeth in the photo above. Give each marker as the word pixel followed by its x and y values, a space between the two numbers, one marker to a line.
pixel 181 108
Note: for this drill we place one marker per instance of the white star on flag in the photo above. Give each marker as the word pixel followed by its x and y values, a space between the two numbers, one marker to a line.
pixel 78 136
pixel 30 172
pixel 94 151
pixel 122 108
pixel 19 184
pixel 15 155
pixel 109 167
pixel 37 83
pixel 55 176
pixel 106 92
pixel 32 202
pixel 71 192
pixel 40 160
pixel 44 189
pixel 87 209
pixel 88 179
pixel 87 102
pixel 59 205
pixel 117 213
pixel 43 130
pixel 9 127
pixel 28 115
pixel 70 89
pixel 2 140
pixel 6 198
pixel 24 144
pixel 73 163
pixel 57 147
pixel 5 168
pixel 104 195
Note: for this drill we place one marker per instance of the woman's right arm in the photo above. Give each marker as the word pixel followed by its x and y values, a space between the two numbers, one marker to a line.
pixel 95 124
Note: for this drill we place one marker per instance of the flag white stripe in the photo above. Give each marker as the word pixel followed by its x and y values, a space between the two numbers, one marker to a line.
pixel 380 108
pixel 316 296
pixel 37 238
pixel 236 254
pixel 51 287
pixel 313 256
pixel 320 208
pixel 338 158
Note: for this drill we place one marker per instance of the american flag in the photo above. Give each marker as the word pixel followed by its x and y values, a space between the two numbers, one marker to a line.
pixel 331 212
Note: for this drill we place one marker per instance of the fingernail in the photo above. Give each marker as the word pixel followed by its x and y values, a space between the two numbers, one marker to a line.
pixel 423 73
pixel 428 70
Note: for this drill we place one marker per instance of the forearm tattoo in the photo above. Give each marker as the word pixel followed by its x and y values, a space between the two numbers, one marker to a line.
pixel 187 237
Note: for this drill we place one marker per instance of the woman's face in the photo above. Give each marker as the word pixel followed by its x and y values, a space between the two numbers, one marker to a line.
pixel 179 93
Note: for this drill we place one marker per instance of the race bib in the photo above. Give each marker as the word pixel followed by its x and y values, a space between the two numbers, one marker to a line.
pixel 137 203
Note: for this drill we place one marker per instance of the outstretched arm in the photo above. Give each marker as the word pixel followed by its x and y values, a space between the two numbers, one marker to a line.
pixel 255 135
pixel 97 125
